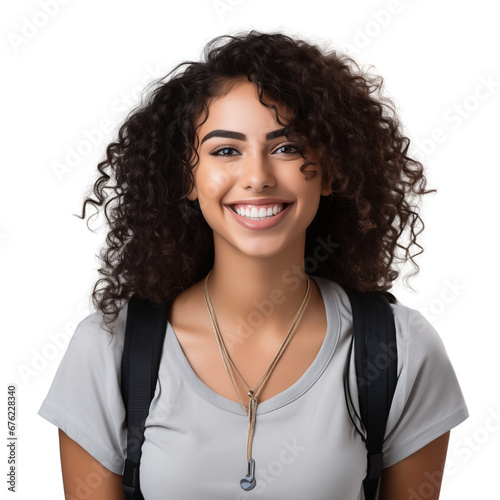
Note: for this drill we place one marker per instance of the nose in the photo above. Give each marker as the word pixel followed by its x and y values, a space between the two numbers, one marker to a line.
pixel 257 172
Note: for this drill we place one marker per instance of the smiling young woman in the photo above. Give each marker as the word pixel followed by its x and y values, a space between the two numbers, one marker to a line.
pixel 251 173
pixel 249 191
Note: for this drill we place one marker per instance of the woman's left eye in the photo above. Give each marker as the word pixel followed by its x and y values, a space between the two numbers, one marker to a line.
pixel 292 146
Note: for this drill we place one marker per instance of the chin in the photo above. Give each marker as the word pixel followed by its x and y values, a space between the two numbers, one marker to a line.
pixel 259 248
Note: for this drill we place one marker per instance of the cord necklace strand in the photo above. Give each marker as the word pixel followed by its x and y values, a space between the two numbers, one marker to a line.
pixel 249 482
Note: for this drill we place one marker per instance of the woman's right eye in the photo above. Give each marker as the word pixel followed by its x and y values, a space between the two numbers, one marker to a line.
pixel 224 149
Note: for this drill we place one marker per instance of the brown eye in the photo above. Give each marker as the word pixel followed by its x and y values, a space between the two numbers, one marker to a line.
pixel 287 148
pixel 225 151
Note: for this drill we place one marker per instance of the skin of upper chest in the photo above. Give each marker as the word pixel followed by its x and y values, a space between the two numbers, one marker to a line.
pixel 251 350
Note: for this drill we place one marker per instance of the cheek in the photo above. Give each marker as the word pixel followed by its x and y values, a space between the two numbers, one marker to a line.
pixel 212 184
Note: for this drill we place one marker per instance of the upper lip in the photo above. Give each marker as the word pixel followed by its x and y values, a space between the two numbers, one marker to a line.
pixel 258 201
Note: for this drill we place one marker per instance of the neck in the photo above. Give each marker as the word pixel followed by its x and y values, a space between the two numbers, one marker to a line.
pixel 257 298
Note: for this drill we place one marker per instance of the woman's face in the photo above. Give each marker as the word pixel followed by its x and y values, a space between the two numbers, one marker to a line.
pixel 247 164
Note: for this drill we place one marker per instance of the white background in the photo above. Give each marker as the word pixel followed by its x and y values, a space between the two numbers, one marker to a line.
pixel 80 68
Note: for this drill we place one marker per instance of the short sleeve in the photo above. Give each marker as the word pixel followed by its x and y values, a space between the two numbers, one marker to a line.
pixel 85 400
pixel 428 401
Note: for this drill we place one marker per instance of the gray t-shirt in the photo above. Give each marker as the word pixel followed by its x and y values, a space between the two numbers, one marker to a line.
pixel 305 445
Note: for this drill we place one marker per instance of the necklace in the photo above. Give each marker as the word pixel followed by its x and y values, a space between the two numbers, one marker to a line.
pixel 249 482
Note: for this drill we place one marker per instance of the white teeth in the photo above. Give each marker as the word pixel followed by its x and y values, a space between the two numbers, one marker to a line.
pixel 259 214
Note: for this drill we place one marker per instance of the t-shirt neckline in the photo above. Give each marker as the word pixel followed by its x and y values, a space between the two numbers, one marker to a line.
pixel 305 382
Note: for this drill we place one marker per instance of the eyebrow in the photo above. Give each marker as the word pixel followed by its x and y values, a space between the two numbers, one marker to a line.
pixel 239 136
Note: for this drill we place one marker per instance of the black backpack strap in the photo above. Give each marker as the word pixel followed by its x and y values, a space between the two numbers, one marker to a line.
pixel 375 354
pixel 144 334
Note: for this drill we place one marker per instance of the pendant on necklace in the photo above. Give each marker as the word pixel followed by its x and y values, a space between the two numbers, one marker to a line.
pixel 248 482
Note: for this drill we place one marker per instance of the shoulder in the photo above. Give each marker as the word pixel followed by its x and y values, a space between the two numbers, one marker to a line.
pixel 95 340
pixel 412 328
pixel 419 345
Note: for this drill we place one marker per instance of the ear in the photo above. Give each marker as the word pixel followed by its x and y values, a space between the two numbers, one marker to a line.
pixel 193 194
pixel 326 185
pixel 326 188
pixel 189 179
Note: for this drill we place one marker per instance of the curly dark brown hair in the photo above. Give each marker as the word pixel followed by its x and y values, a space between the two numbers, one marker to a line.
pixel 159 243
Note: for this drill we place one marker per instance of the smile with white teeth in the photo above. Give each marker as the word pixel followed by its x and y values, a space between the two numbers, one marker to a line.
pixel 261 213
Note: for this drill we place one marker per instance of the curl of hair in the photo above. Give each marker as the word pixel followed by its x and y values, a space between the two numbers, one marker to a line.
pixel 159 244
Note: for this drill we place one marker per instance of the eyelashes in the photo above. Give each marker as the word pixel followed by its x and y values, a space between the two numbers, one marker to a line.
pixel 216 151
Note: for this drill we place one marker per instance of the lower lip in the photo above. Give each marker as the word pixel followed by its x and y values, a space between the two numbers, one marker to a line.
pixel 259 224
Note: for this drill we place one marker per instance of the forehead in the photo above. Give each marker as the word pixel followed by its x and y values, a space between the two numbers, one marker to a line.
pixel 240 110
